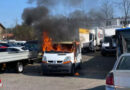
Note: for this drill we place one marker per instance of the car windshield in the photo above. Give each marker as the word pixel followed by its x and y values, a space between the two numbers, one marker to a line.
pixel 124 63
pixel 107 39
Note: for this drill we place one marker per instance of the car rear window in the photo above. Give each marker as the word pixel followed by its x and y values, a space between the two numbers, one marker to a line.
pixel 124 63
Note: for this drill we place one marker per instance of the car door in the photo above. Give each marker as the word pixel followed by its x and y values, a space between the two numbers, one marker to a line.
pixel 122 79
pixel 122 73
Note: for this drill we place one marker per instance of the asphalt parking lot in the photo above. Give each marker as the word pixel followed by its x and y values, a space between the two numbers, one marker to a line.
pixel 94 69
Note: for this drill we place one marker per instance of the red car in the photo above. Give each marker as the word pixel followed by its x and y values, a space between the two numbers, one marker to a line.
pixel 2 47
pixel 1 85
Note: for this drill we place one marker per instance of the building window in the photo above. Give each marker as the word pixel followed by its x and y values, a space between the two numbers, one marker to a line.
pixel 108 23
pixel 121 22
pixel 128 22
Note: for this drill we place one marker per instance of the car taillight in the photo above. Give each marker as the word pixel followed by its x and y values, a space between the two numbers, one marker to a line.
pixel 1 85
pixel 110 79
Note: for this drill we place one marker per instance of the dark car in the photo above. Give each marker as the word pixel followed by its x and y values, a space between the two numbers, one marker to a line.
pixel 4 44
pixel 3 48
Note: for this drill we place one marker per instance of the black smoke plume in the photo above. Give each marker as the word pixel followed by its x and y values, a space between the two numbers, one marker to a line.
pixel 60 28
pixel 31 15
pixel 49 3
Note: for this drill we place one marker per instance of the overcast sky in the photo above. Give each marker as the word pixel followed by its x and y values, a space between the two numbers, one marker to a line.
pixel 11 10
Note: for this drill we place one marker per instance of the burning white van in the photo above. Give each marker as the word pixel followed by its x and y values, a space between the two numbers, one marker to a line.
pixel 62 57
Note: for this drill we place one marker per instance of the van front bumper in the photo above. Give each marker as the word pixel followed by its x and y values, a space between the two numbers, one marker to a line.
pixel 56 68
pixel 109 51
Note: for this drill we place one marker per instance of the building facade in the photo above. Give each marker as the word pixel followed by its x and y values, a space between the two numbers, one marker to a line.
pixel 2 28
pixel 116 22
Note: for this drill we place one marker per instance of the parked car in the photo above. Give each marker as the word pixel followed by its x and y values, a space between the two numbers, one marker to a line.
pixel 1 85
pixel 119 77
pixel 4 44
pixel 1 47
pixel 108 46
pixel 17 49
pixel 34 49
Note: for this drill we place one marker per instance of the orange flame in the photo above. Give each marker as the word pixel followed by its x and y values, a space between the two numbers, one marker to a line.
pixel 48 45
pixel 47 42
pixel 59 47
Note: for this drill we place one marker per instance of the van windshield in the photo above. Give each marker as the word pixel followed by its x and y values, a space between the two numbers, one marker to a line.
pixel 63 48
pixel 52 51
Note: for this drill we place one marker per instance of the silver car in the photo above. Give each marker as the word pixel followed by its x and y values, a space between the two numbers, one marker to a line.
pixel 119 77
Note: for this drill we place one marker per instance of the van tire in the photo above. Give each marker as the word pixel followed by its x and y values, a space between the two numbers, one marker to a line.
pixel 79 66
pixel 2 71
pixel 19 67
pixel 44 73
pixel 72 70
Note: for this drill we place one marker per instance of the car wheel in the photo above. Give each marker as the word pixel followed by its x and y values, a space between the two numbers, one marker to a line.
pixel 19 67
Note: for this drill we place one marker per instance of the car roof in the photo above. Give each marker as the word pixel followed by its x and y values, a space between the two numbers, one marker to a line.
pixel 121 29
pixel 126 54
pixel 15 47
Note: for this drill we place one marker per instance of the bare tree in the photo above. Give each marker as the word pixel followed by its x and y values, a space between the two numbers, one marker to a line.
pixel 99 17
pixel 107 9
pixel 125 5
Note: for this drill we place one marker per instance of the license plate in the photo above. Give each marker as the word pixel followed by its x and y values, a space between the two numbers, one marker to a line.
pixel 54 62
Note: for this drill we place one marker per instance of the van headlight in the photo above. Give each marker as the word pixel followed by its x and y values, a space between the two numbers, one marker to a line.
pixel 67 60
pixel 44 59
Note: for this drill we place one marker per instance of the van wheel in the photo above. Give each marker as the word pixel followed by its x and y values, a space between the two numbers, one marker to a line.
pixel 44 73
pixel 2 70
pixel 79 66
pixel 72 70
pixel 19 67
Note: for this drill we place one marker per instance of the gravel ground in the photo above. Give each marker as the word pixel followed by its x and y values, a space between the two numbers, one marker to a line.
pixel 93 71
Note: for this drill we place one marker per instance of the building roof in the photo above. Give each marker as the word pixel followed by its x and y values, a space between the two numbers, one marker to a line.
pixel 2 26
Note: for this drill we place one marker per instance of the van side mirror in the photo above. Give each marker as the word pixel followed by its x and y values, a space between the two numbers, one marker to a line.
pixel 101 41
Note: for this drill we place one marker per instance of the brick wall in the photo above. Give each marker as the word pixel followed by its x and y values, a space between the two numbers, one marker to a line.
pixel 1 29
